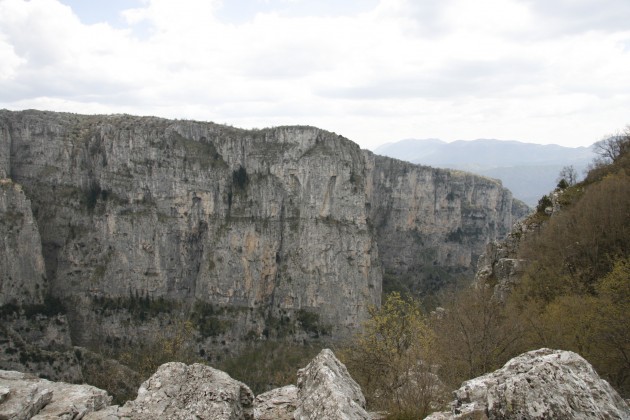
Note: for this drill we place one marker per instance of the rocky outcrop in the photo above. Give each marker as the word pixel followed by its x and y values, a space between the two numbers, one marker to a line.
pixel 275 232
pixel 499 266
pixel 277 404
pixel 24 396
pixel 327 391
pixel 539 384
pixel 535 385
pixel 177 391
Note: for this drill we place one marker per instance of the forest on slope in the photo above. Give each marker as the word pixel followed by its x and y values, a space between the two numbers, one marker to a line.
pixel 572 293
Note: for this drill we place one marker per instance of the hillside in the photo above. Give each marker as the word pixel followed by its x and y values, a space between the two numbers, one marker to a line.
pixel 528 170
pixel 564 274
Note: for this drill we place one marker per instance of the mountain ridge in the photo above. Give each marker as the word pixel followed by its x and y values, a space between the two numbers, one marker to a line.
pixel 529 170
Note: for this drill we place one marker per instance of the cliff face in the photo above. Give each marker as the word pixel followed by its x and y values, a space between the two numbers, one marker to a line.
pixel 293 224
pixel 433 224
pixel 22 278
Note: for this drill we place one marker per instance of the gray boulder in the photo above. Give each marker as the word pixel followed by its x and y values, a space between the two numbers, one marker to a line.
pixel 179 392
pixel 24 396
pixel 326 391
pixel 538 384
pixel 277 404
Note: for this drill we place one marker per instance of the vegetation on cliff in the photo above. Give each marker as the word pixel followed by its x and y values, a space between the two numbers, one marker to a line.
pixel 574 294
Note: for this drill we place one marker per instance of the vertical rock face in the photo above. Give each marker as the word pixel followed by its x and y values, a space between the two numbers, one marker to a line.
pixel 292 223
pixel 192 211
pixel 432 223
pixel 22 272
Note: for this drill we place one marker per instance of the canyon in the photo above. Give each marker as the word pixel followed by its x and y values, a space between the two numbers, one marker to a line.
pixel 288 232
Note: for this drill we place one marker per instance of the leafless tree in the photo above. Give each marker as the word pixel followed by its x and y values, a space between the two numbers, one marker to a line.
pixel 569 175
pixel 612 146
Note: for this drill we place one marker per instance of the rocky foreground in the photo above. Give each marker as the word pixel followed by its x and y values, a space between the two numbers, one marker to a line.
pixel 535 385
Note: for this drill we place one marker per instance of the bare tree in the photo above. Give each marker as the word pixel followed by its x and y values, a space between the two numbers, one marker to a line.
pixel 612 146
pixel 569 175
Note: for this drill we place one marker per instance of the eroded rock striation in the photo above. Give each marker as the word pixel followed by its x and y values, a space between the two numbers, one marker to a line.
pixel 539 384
pixel 433 223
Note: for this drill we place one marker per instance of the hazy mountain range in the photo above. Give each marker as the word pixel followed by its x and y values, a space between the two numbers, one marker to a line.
pixel 529 170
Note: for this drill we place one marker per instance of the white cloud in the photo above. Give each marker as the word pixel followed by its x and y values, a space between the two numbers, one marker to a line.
pixel 451 69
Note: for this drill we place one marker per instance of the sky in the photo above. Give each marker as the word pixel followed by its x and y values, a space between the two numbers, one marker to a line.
pixel 374 71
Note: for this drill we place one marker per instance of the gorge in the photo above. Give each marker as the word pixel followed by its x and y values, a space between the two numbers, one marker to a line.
pixel 288 232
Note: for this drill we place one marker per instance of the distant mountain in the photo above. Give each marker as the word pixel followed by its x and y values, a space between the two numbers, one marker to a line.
pixel 529 170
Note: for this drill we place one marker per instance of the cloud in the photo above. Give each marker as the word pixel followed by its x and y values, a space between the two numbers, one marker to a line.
pixel 575 16
pixel 375 71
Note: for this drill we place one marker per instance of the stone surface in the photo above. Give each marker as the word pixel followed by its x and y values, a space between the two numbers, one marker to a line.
pixel 178 391
pixel 30 397
pixel 433 224
pixel 539 384
pixel 326 391
pixel 277 404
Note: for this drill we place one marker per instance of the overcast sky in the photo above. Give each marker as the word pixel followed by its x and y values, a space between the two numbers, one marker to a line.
pixel 375 71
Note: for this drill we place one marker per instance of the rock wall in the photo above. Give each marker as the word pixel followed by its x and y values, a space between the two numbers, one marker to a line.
pixel 22 271
pixel 285 226
pixel 433 224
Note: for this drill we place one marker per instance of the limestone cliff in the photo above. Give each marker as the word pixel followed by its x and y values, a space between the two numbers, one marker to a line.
pixel 22 278
pixel 433 224
pixel 287 227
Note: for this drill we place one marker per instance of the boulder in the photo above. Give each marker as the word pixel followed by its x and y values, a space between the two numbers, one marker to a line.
pixel 535 385
pixel 326 391
pixel 277 404
pixel 178 392
pixel 24 396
